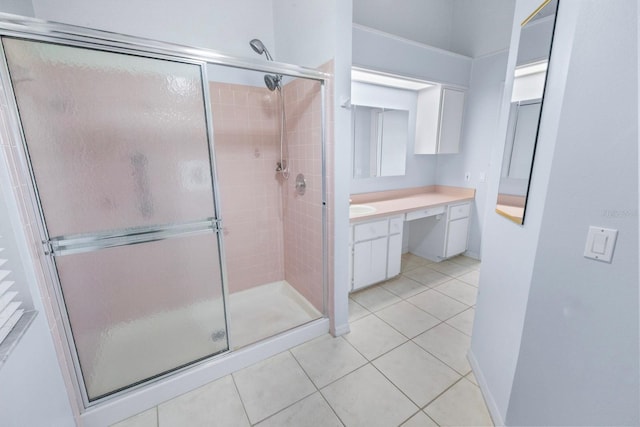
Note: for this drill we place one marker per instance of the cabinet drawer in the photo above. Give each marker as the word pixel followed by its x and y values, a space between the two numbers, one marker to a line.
pixel 423 213
pixel 370 230
pixel 459 211
pixel 396 224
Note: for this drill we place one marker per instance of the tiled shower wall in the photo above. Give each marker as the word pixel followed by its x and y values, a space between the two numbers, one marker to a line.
pixel 303 213
pixel 271 233
pixel 246 134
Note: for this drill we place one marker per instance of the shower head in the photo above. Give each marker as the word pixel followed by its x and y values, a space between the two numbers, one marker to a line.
pixel 272 81
pixel 260 48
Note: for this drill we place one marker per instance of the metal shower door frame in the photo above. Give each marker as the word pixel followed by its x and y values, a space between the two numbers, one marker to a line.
pixel 38 30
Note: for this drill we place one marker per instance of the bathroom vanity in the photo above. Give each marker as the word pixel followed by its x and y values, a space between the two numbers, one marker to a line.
pixel 436 219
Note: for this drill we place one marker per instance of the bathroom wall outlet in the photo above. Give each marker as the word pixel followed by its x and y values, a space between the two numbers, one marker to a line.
pixel 483 177
pixel 467 176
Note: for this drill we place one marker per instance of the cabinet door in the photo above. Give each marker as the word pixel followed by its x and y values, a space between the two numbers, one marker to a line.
pixel 394 256
pixel 369 262
pixel 457 237
pixel 427 119
pixel 361 264
pixel 451 112
pixel 378 260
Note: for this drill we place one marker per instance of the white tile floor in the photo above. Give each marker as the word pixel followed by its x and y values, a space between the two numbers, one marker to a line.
pixel 403 363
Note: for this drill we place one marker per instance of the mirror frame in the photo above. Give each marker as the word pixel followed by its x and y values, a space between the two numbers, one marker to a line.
pixel 508 205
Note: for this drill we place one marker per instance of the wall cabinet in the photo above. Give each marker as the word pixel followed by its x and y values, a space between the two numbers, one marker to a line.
pixel 376 251
pixel 439 120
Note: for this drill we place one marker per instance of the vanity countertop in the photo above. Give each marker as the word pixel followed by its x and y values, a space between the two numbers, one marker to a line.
pixel 400 201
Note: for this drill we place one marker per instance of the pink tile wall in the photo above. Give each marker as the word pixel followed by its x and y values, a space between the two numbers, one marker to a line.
pixel 246 138
pixel 303 213
pixel 271 232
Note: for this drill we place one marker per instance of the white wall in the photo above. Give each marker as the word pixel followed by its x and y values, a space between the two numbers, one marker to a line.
pixel 479 135
pixel 508 252
pixel 305 31
pixel 32 391
pixel 388 53
pixel 477 26
pixel 466 27
pixel 579 355
pixel 425 21
pixel 216 24
pixel 17 7
pixel 341 162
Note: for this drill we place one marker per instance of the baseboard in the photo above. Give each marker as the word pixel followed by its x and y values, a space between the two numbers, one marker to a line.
pixel 472 254
pixel 425 255
pixel 341 330
pixel 488 397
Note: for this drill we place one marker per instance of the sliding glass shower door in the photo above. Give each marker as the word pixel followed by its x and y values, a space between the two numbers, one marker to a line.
pixel 118 149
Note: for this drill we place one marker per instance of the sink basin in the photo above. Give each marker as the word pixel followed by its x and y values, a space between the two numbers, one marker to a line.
pixel 361 209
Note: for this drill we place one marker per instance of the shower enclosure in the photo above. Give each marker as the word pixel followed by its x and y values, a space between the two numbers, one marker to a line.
pixel 168 235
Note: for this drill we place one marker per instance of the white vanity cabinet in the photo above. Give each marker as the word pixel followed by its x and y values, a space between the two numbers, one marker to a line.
pixel 441 232
pixel 376 248
pixel 457 229
pixel 439 120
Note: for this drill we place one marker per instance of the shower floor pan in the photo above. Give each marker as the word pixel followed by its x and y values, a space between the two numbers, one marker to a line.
pixel 267 310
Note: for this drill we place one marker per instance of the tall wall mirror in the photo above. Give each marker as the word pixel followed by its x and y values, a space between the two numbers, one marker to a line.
pixel 534 51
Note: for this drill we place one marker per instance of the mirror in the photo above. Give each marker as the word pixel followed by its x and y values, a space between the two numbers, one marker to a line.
pixel 534 51
pixel 379 141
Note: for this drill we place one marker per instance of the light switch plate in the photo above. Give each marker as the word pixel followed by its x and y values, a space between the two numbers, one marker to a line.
pixel 600 243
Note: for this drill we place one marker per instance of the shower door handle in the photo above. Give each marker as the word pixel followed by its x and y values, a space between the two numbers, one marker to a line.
pixel 79 243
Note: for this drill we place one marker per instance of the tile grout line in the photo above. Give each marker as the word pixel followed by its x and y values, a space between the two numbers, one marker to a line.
pixel 400 332
pixel 401 391
pixel 297 401
pixel 440 395
pixel 318 390
pixel 449 366
pixel 431 314
pixel 244 408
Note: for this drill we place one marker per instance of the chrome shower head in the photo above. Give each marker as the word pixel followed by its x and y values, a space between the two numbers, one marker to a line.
pixel 272 81
pixel 259 48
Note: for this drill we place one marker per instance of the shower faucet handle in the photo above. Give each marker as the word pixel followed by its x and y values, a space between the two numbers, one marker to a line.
pixel 301 184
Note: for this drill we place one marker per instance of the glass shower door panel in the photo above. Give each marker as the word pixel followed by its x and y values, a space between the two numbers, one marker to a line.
pixel 119 150
pixel 116 141
pixel 142 310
